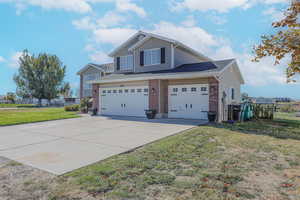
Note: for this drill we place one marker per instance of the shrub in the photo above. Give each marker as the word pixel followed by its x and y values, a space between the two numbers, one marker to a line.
pixel 72 108
pixel 85 104
pixel 287 108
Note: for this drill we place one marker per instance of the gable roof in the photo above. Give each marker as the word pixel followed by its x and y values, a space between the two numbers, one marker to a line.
pixel 107 68
pixel 152 35
pixel 203 69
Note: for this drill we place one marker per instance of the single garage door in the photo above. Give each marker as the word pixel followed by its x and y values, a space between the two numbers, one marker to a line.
pixel 188 101
pixel 124 101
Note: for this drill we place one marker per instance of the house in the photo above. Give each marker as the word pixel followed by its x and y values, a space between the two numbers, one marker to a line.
pixel 92 72
pixel 263 100
pixel 155 72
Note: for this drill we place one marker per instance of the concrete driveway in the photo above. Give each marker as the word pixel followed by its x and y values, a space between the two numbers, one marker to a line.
pixel 64 145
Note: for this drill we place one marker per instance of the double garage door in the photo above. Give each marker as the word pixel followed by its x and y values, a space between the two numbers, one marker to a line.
pixel 124 101
pixel 189 101
pixel 184 101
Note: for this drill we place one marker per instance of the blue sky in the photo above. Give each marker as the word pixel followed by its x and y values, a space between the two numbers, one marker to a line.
pixel 83 31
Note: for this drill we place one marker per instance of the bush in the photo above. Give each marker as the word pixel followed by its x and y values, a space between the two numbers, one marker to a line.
pixel 72 108
pixel 287 108
pixel 85 105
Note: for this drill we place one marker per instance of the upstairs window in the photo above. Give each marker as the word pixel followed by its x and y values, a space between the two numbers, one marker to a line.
pixel 152 57
pixel 126 62
pixel 232 94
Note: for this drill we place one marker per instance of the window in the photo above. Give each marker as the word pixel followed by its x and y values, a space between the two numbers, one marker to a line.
pixel 120 91
pixel 146 90
pixel 232 94
pixel 152 57
pixel 132 90
pixel 194 89
pixel 183 89
pixel 89 77
pixel 139 90
pixel 126 62
pixel 175 89
pixel 126 91
pixel 204 89
pixel 104 91
pixel 108 91
pixel 115 91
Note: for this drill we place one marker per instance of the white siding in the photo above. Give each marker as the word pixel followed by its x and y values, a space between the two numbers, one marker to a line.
pixel 229 79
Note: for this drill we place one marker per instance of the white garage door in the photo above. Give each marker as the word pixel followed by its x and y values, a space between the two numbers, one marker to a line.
pixel 124 101
pixel 189 101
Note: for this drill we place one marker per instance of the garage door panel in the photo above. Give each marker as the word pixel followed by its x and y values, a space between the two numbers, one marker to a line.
pixel 188 101
pixel 124 101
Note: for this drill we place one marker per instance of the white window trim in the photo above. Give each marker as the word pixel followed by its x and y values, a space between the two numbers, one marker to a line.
pixel 151 59
pixel 127 68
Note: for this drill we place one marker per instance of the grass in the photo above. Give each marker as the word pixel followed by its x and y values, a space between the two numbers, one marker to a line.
pixel 242 161
pixel 29 115
pixel 2 105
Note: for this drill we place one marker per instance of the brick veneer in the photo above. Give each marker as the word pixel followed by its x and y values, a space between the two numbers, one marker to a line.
pixel 96 96
pixel 81 87
pixel 154 94
pixel 213 95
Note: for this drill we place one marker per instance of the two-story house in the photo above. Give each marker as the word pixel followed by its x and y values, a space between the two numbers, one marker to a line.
pixel 155 72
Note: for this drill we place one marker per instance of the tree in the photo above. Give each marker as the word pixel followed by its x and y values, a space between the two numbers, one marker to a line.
pixel 39 77
pixel 10 97
pixel 285 42
pixel 66 90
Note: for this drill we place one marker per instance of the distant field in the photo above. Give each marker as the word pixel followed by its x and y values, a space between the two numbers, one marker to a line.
pixel 29 115
pixel 2 105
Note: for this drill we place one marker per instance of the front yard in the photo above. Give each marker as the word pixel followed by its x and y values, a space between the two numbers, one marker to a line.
pixel 255 160
pixel 28 115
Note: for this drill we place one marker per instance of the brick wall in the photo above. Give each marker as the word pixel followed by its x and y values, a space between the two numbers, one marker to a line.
pixel 95 93
pixel 213 95
pixel 154 94
pixel 81 86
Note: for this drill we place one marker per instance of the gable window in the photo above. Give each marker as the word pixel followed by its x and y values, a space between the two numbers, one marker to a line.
pixel 152 57
pixel 126 62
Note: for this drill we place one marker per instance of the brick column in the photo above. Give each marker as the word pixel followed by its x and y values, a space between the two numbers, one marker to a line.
pixel 95 94
pixel 213 95
pixel 154 95
pixel 81 87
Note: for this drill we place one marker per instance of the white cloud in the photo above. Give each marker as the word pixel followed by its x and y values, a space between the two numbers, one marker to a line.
pixel 219 5
pixel 110 19
pixel 189 21
pixel 14 60
pixel 275 14
pixel 2 59
pixel 255 73
pixel 200 5
pixel 100 57
pixel 79 6
pixel 127 5
pixel 113 36
pixel 192 36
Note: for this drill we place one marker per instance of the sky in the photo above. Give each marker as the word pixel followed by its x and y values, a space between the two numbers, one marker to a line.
pixel 84 31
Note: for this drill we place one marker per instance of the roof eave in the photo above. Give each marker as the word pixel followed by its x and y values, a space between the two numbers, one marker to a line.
pixel 188 75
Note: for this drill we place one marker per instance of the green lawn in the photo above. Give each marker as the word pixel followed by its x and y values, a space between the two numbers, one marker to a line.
pixel 28 115
pixel 242 161
pixel 2 105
